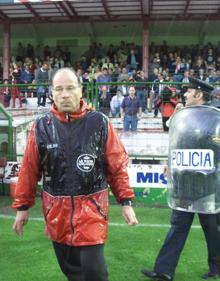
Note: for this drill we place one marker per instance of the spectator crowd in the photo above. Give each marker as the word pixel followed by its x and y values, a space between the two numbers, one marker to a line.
pixel 120 63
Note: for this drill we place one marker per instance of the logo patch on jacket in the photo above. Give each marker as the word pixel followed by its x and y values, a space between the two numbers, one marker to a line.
pixel 85 162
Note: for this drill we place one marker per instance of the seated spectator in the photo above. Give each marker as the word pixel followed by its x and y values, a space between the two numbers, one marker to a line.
pixel 201 75
pixel 107 64
pixel 115 104
pixel 212 77
pixel 199 64
pixel 192 72
pixel 179 69
pixel 123 76
pixel 103 78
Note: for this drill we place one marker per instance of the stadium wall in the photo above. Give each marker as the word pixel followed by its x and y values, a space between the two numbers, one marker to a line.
pixel 82 34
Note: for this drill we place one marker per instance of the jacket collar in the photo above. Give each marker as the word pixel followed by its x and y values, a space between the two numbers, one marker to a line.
pixel 66 117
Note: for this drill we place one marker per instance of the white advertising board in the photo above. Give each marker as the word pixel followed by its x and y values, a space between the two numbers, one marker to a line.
pixel 147 176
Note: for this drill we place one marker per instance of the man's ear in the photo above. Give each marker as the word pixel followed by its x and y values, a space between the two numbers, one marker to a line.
pixel 198 94
pixel 51 98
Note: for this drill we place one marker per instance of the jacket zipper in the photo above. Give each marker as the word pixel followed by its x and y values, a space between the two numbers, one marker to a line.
pixel 71 217
pixel 101 212
pixel 72 197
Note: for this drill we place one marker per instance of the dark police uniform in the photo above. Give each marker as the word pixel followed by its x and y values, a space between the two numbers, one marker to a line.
pixel 192 189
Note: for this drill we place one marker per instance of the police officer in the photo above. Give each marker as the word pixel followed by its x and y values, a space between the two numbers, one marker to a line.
pixel 186 205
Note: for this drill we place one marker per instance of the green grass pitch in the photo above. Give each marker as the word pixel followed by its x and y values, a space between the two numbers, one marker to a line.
pixel 30 257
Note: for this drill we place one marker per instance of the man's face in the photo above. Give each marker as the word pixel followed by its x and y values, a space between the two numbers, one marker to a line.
pixel 105 72
pixel 66 92
pixel 45 66
pixel 192 97
pixel 132 92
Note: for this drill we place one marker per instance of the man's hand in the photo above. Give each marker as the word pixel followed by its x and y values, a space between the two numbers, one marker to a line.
pixel 129 215
pixel 139 116
pixel 20 220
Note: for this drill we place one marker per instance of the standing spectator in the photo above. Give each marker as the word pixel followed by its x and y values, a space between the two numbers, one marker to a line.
pixel 209 57
pixel 115 103
pixel 20 52
pixel 130 110
pixel 30 51
pixel 47 51
pixel 5 93
pixel 79 154
pixel 184 85
pixel 167 103
pixel 26 78
pixel 141 89
pixel 15 73
pixel 104 100
pixel 123 88
pixel 15 93
pixel 42 77
pixel 152 77
pixel 157 89
pixel 32 67
pixel 133 60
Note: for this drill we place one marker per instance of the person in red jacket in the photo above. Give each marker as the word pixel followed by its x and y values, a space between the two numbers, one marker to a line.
pixel 15 93
pixel 167 103
pixel 78 153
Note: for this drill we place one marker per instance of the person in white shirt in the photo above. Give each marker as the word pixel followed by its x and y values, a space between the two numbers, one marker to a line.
pixel 115 103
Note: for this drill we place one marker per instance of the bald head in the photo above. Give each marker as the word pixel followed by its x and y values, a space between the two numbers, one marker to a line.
pixel 66 90
pixel 67 71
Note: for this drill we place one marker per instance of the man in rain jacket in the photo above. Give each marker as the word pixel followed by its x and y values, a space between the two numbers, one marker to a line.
pixel 78 154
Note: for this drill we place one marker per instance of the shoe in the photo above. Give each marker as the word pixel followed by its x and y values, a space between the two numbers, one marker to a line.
pixel 157 276
pixel 210 275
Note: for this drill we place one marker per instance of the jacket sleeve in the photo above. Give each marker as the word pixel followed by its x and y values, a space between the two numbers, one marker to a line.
pixel 29 175
pixel 117 160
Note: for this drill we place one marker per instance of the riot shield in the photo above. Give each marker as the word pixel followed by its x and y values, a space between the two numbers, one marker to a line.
pixel 194 160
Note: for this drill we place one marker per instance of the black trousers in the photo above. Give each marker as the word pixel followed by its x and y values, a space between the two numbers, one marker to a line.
pixel 181 222
pixel 86 263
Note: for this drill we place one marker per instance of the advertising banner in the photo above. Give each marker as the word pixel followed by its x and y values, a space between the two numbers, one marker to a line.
pixel 147 176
